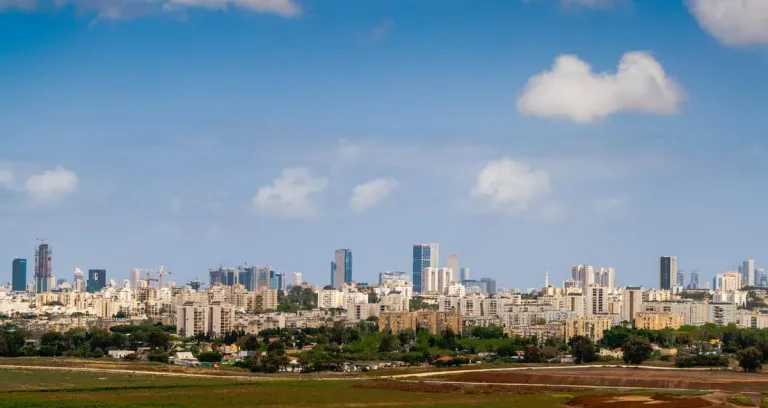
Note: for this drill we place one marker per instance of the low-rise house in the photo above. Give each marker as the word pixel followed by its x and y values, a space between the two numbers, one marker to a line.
pixel 120 353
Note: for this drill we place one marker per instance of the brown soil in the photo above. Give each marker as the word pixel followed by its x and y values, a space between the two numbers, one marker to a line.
pixel 636 401
pixel 627 377
pixel 431 387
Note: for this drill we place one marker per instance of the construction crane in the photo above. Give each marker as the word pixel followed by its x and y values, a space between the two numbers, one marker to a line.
pixel 160 274
pixel 147 289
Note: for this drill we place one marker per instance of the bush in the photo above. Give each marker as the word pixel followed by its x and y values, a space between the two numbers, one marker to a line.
pixel 157 356
pixel 701 360
pixel 636 350
pixel 131 357
pixel 750 359
pixel 209 357
pixel 741 400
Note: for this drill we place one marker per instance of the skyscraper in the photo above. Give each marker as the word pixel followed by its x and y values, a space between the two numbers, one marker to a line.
pixel 43 260
pixel 19 275
pixel 490 284
pixel 264 275
pixel 694 280
pixel 585 274
pixel 452 262
pixel 464 274
pixel 297 279
pixel 248 278
pixel 748 272
pixel 97 280
pixel 680 277
pixel 424 256
pixel 668 272
pixel 341 268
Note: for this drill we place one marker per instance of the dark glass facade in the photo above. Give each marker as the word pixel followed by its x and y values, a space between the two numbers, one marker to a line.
pixel 97 280
pixel 19 283
pixel 422 258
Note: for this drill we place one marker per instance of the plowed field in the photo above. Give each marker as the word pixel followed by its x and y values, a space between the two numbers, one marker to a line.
pixel 627 377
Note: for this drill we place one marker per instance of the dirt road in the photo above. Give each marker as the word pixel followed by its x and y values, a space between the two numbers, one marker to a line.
pixel 138 372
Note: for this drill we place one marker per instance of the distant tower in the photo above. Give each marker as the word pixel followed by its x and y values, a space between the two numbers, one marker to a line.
pixel 546 279
pixel 668 272
pixel 43 258
pixel 341 268
pixel 464 274
pixel 19 275
pixel 424 256
pixel 452 261
pixel 748 271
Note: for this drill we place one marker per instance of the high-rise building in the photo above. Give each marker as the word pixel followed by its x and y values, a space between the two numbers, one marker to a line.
pixel 748 272
pixel 761 277
pixel 668 272
pixel 728 281
pixel 264 274
pixel 595 300
pixel 78 280
pixel 680 277
pixel 632 303
pixel 424 256
pixel 490 285
pixel 43 260
pixel 279 281
pixel 464 274
pixel 605 277
pixel 452 262
pixel 134 279
pixel 585 274
pixel 97 280
pixel 694 277
pixel 297 279
pixel 19 282
pixel 341 268
pixel 248 277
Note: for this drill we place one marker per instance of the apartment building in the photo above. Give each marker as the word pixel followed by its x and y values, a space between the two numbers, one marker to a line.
pixel 657 321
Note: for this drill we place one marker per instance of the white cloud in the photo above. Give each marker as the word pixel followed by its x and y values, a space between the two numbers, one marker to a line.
pixel 285 8
pixel 618 205
pixel 733 22
pixel 572 90
pixel 122 9
pixel 381 30
pixel 509 186
pixel 290 195
pixel 6 178
pixel 367 195
pixel 587 3
pixel 25 5
pixel 51 185
pixel 590 3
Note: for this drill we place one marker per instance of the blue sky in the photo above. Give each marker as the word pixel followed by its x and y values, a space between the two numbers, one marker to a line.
pixel 190 133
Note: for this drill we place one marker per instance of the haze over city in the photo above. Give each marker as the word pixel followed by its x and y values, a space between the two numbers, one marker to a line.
pixel 273 133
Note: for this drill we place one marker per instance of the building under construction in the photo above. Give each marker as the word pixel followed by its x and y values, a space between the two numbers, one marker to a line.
pixel 43 274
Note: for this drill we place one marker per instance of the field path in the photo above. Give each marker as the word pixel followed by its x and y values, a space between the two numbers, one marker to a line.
pixel 586 367
pixel 137 372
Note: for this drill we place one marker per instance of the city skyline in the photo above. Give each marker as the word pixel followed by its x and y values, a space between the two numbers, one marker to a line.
pixel 425 255
pixel 257 133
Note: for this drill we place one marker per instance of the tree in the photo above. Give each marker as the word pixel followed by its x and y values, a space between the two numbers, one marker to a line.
pixel 209 357
pixel 636 350
pixel 158 338
pixel 750 359
pixel 158 356
pixel 249 342
pixel 532 354
pixel 583 349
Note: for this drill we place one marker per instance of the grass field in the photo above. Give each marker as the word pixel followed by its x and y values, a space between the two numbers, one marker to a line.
pixel 40 388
